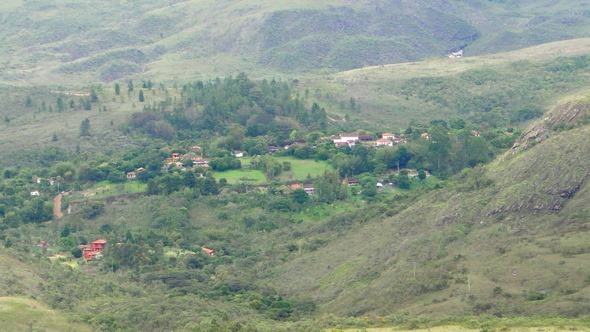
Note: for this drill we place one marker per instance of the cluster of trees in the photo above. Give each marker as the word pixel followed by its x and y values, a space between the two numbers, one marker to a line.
pixel 225 163
pixel 17 205
pixel 171 182
pixel 234 107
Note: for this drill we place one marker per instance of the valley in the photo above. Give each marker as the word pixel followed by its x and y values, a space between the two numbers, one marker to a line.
pixel 294 166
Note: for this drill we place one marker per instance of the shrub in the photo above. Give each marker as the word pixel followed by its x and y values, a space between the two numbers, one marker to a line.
pixel 92 210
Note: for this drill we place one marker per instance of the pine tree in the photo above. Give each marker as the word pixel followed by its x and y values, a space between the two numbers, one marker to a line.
pixel 85 127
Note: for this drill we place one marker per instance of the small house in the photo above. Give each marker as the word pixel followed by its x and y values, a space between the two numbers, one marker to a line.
pixel 365 137
pixel 383 142
pixel 203 162
pixel 349 137
pixel 208 251
pixel 455 55
pixel 93 251
pixel 35 193
pixel 196 149
pixel 351 181
pixel 389 136
pixel 131 175
pixel 99 244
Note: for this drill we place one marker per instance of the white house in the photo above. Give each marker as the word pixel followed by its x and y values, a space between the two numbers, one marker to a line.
pixel 383 142
pixel 389 136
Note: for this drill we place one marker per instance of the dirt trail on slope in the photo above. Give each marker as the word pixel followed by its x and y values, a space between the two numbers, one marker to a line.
pixel 57 207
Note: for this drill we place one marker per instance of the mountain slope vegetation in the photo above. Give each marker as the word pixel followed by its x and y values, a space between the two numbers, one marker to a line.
pixel 454 252
pixel 97 41
pixel 208 144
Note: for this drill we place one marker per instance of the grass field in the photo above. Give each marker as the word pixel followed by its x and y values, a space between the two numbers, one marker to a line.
pixel 19 314
pixel 106 189
pixel 301 169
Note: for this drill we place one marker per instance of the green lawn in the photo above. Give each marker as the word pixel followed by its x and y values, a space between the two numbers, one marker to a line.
pixel 300 171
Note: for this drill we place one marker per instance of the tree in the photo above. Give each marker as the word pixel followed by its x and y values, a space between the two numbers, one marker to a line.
pixel 329 188
pixel 421 175
pixel 86 104
pixel 117 89
pixel 76 252
pixel 92 210
pixel 129 86
pixel 369 184
pixel 439 147
pixel 299 196
pixel 403 180
pixel 141 96
pixel 60 105
pixel 85 127
pixel 93 96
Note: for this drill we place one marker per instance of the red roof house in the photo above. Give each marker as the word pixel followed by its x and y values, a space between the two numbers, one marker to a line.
pixel 99 244
pixel 208 251
pixel 90 251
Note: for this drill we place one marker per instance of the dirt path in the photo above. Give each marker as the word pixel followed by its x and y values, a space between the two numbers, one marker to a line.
pixel 57 207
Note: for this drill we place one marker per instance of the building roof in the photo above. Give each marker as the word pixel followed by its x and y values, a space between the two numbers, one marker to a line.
pixel 100 241
pixel 208 251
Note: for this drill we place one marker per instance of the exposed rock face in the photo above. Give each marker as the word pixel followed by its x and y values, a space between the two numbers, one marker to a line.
pixel 555 168
pixel 566 115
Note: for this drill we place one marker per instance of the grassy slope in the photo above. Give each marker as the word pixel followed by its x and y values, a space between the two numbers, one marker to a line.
pixel 447 253
pixel 19 314
pixel 387 98
pixel 20 284
pixel 86 42
pixel 381 91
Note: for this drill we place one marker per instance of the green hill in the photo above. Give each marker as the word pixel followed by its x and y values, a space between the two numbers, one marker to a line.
pixel 97 41
pixel 504 239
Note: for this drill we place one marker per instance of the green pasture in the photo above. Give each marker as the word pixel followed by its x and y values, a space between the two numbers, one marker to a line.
pixel 301 170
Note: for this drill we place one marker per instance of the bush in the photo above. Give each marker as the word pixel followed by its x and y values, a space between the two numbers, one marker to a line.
pixel 76 252
pixel 92 210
